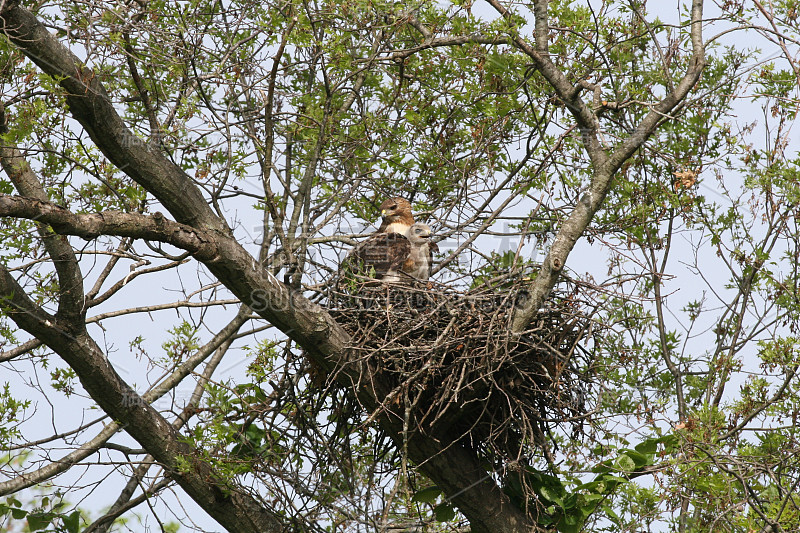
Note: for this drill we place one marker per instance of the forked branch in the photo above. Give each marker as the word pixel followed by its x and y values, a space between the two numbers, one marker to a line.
pixel 605 162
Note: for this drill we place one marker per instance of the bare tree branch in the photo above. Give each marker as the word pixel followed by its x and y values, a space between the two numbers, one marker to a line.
pixel 604 165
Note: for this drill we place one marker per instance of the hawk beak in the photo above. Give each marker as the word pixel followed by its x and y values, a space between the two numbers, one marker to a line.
pixel 383 212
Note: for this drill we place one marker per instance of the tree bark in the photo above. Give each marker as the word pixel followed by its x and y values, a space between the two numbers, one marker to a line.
pixel 234 509
pixel 456 470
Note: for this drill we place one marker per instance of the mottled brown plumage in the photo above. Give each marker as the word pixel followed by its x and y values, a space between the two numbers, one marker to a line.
pixel 381 256
pixel 399 251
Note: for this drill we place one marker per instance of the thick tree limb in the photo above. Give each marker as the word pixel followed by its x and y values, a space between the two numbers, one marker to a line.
pixel 19 350
pixel 155 227
pixel 88 448
pixel 441 42
pixel 70 295
pixel 235 510
pixel 452 468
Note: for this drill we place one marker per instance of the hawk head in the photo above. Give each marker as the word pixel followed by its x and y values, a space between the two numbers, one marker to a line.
pixel 418 233
pixel 397 217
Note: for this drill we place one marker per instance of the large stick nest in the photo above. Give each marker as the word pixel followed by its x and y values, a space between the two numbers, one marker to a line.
pixel 448 365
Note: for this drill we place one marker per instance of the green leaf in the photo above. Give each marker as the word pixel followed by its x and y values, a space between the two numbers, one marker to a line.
pixel 602 468
pixel 39 521
pixel 591 498
pixel 649 446
pixel 428 495
pixel 610 513
pixel 595 486
pixel 611 481
pixel 551 495
pixel 72 521
pixel 564 527
pixel 625 463
pixel 18 513
pixel 639 459
pixel 444 512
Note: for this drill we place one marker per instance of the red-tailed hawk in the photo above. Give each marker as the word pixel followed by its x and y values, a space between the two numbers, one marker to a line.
pixel 419 261
pixel 399 251
pixel 397 217
pixel 393 258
